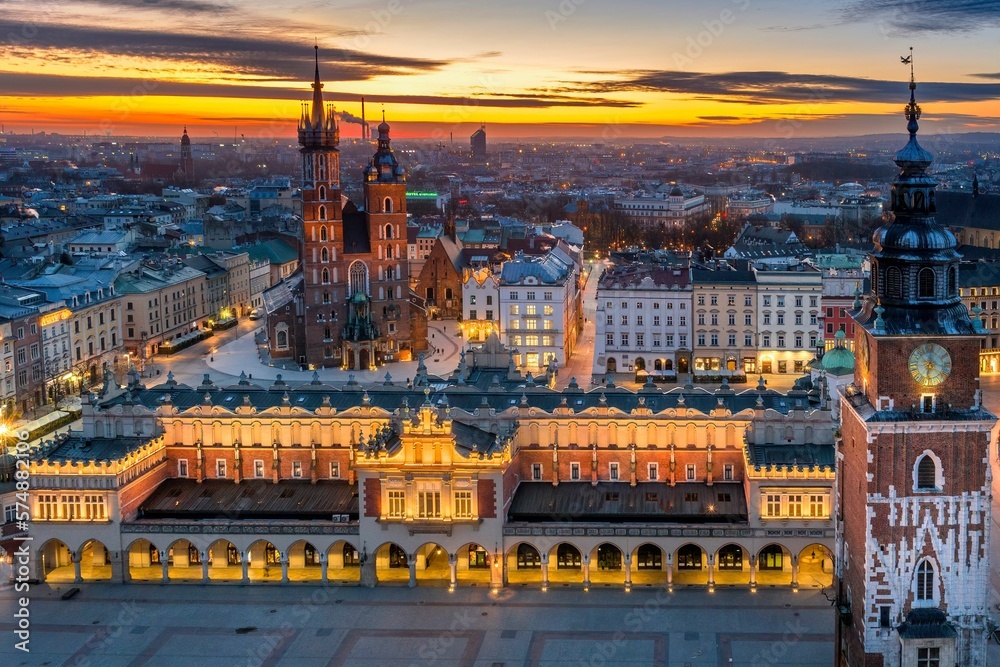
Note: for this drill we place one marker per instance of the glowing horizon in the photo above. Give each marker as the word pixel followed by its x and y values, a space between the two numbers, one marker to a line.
pixel 592 70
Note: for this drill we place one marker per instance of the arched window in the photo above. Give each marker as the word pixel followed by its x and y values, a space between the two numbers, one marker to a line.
pixel 388 252
pixel 387 205
pixel 925 283
pixel 322 233
pixel 893 283
pixel 390 273
pixel 326 276
pixel 282 339
pixel 927 477
pixel 326 297
pixel 359 278
pixel 324 255
pixel 322 212
pixel 322 193
pixel 388 231
pixel 925 581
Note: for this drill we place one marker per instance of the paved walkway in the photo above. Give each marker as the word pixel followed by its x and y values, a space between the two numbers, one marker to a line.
pixel 116 625
pixel 243 355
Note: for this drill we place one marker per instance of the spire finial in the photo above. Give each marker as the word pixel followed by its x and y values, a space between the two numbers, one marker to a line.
pixel 318 113
pixel 912 110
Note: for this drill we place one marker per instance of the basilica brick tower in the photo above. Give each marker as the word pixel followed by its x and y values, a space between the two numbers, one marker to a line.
pixel 914 477
pixel 350 307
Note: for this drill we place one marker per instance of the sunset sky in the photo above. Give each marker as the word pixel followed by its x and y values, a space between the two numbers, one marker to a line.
pixel 598 70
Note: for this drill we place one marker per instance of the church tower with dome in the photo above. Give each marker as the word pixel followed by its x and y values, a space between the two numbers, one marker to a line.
pixel 913 463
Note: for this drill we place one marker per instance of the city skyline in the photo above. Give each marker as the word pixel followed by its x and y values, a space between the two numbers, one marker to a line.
pixel 729 68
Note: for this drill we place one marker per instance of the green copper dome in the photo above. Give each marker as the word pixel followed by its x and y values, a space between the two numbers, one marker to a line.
pixel 839 360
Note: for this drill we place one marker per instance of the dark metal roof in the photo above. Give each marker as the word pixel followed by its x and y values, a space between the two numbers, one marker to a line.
pixel 617 502
pixel 251 499
pixel 76 448
pixel 484 393
pixel 926 623
pixel 962 209
pixel 791 455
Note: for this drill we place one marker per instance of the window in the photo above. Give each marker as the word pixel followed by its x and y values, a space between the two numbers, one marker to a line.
pixel 656 340
pixel 654 472
pixel 429 504
pixel 609 340
pixel 748 340
pixel 463 505
pixel 925 283
pixel 926 474
pixel 547 296
pixel 638 320
pixel 574 471
pixel 625 320
pixel 536 472
pixel 258 468
pixel 772 505
pixel 624 340
pixel 297 469
pixel 656 320
pixel 727 472
pixel 182 468
pixel 220 467
pixel 925 581
pixel 334 470
pixel 781 302
pixel 613 472
pixel 714 300
pixel 640 340
pixel 530 296
pixel 690 472
pixel 795 505
pixel 928 656
pixel 397 505
pixel 817 508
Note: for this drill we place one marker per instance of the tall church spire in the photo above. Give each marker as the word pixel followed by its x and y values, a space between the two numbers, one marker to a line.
pixel 318 119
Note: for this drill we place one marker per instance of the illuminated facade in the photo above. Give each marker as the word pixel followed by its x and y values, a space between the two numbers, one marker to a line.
pixel 474 480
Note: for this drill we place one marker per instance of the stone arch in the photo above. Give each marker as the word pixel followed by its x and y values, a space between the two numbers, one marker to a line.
pixel 387 205
pixel 473 564
pixel 225 561
pixel 343 562
pixel 144 561
pixel 55 562
pixel 432 562
pixel 184 560
pixel 815 566
pixel 523 564
pixel 392 563
pixel 263 561
pixel 649 565
pixel 690 564
pixel 774 565
pixel 732 565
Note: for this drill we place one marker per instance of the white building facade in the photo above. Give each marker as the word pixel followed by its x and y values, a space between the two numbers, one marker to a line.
pixel 643 321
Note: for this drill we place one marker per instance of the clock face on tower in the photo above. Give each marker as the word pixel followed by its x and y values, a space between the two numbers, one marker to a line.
pixel 930 364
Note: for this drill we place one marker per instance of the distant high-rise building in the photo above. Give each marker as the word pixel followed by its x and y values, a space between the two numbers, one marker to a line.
pixel 187 162
pixel 478 141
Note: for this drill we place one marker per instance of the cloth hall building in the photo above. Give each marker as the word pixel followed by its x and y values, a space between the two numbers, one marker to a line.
pixel 476 478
